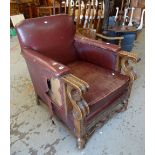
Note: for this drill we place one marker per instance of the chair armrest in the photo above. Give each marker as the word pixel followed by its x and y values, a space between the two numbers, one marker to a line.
pixel 128 70
pixel 54 68
pixel 109 38
pixel 97 43
pixel 97 52
pixel 75 90
pixel 130 55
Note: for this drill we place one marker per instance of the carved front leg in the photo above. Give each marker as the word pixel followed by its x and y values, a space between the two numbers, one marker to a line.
pixel 75 89
pixel 37 99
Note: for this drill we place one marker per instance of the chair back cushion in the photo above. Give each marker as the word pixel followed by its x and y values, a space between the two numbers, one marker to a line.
pixel 52 36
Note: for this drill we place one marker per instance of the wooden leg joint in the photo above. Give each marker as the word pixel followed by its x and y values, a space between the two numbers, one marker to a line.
pixel 37 99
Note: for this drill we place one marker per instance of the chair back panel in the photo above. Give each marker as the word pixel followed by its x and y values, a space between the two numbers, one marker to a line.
pixel 52 36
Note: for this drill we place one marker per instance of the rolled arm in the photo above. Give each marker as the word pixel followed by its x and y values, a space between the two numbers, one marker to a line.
pixel 97 52
pixel 101 44
pixel 55 68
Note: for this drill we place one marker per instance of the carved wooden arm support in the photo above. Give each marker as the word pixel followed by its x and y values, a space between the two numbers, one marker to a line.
pixel 75 89
pixel 128 70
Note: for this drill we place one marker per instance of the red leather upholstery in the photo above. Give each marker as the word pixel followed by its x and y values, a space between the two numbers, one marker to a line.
pixel 40 61
pixel 47 40
pixel 51 49
pixel 104 84
pixel 52 36
pixel 41 69
pixel 90 50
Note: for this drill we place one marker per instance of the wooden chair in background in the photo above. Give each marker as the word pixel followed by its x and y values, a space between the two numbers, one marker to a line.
pixel 89 16
pixel 50 7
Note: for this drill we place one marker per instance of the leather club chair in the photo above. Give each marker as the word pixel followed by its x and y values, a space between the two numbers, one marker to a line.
pixel 83 81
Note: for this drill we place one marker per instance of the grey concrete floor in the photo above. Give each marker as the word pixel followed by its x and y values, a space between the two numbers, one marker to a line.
pixel 32 132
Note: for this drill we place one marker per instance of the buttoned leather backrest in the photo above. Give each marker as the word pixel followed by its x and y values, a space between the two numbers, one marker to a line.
pixel 52 36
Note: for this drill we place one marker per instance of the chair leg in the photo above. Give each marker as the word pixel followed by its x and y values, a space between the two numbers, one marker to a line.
pixel 81 143
pixel 125 105
pixel 37 99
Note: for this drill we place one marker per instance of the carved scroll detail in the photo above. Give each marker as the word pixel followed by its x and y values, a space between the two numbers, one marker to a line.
pixel 128 70
pixel 75 89
pixel 80 107
pixel 131 55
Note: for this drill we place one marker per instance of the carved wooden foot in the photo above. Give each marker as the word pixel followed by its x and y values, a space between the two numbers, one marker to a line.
pixel 125 105
pixel 51 117
pixel 37 99
pixel 81 143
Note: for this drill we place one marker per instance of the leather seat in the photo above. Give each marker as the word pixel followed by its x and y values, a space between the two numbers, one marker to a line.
pixel 104 84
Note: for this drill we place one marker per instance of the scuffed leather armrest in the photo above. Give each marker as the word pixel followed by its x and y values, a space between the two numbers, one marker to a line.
pixel 100 44
pixel 97 52
pixel 55 68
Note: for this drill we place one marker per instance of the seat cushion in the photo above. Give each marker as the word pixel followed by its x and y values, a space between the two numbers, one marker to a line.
pixel 105 85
